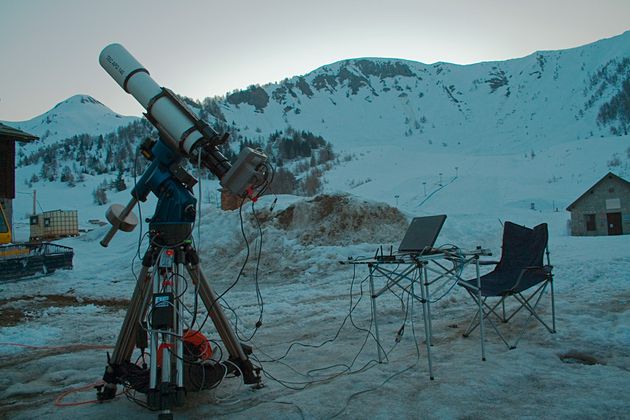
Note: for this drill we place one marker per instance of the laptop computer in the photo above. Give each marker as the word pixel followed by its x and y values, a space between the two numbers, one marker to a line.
pixel 421 235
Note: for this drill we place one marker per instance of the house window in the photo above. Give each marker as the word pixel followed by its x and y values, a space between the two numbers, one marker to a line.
pixel 590 222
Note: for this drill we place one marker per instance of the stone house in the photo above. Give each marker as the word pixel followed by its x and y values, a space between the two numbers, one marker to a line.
pixel 604 209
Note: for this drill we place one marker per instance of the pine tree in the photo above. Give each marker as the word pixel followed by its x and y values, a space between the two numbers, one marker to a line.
pixel 119 183
pixel 100 196
pixel 67 176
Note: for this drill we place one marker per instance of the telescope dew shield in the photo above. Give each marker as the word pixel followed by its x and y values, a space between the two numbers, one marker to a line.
pixel 136 80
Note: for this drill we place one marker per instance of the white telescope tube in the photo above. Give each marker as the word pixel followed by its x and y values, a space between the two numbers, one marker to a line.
pixel 181 125
pixel 135 80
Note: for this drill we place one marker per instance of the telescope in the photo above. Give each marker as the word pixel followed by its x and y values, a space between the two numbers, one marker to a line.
pixel 156 312
pixel 183 135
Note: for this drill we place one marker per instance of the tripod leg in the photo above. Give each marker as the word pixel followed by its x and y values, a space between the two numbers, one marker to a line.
pixel 220 321
pixel 166 389
pixel 179 319
pixel 126 338
pixel 209 299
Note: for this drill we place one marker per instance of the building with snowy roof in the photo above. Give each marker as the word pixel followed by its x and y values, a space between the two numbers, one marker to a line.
pixel 604 209
pixel 8 137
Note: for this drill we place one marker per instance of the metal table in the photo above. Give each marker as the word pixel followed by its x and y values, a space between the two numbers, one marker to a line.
pixel 408 271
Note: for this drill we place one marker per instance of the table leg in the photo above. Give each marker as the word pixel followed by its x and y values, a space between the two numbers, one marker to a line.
pixel 373 299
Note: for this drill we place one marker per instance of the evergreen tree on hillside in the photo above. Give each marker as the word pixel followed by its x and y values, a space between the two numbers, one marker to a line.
pixel 119 183
pixel 100 196
pixel 67 176
pixel 50 166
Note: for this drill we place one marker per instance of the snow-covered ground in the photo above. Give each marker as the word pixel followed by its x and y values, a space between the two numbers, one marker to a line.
pixel 307 296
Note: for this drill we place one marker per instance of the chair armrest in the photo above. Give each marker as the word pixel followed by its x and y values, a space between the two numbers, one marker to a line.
pixel 546 268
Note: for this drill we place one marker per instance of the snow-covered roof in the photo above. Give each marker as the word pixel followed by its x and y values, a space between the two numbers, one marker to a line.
pixel 609 175
pixel 10 133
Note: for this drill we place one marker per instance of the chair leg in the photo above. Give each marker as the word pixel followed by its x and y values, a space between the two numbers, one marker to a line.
pixel 474 323
pixel 476 320
pixel 532 311
pixel 553 307
pixel 510 347
pixel 481 326
pixel 526 299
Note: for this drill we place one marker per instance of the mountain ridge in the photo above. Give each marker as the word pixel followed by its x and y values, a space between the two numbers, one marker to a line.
pixel 451 93
pixel 78 114
pixel 519 104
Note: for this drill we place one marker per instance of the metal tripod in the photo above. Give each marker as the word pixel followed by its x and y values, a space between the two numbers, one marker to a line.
pixel 156 298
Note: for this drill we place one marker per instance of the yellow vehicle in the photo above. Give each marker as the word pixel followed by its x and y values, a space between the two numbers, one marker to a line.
pixel 7 250
pixel 5 229
pixel 29 259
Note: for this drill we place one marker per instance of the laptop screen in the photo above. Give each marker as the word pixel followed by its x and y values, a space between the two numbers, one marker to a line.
pixel 422 233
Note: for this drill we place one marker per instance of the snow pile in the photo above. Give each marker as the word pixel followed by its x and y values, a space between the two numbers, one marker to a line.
pixel 341 219
pixel 302 237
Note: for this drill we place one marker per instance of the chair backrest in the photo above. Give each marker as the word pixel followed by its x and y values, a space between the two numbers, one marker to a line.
pixel 522 247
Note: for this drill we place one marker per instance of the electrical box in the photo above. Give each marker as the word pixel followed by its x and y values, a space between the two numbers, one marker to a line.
pixel 162 312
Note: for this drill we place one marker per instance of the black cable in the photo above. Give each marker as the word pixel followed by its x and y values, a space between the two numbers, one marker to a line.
pixel 260 247
pixel 127 390
pixel 369 331
pixel 259 298
pixel 330 340
pixel 240 273
pixel 141 236
pixel 258 292
pixel 171 278
pixel 266 183
pixel 136 256
pixel 388 379
pixel 347 368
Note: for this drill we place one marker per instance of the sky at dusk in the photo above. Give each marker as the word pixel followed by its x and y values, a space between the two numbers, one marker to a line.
pixel 49 49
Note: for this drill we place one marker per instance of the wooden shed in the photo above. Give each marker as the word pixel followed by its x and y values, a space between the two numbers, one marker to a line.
pixel 8 137
pixel 604 209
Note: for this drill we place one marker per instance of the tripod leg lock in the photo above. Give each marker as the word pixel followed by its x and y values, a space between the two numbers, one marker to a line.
pixel 107 391
pixel 251 374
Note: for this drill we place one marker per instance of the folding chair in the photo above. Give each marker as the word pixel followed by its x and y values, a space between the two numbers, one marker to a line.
pixel 519 271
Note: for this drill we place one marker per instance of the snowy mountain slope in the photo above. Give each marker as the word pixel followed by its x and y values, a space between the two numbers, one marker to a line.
pixel 432 180
pixel 428 118
pixel 80 114
pixel 515 105
pixel 518 105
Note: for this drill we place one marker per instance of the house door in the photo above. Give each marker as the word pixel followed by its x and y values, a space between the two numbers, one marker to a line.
pixel 614 223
